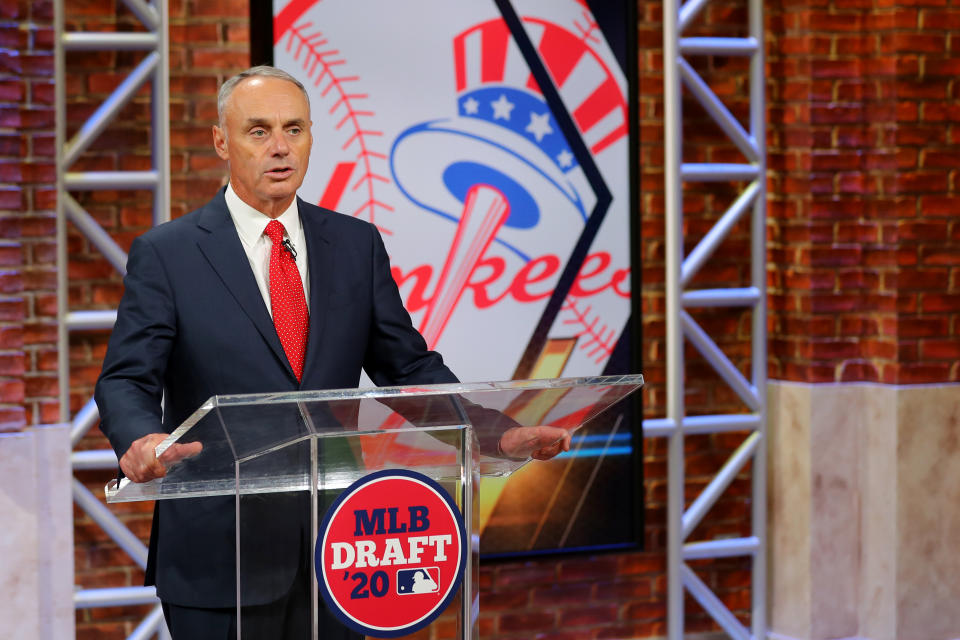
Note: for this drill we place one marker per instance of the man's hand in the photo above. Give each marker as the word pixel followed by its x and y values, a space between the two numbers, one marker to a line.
pixel 541 442
pixel 140 462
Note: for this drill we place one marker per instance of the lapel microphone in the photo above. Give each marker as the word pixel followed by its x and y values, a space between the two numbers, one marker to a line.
pixel 286 244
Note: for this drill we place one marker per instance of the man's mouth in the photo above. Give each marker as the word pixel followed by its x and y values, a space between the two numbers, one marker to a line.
pixel 280 172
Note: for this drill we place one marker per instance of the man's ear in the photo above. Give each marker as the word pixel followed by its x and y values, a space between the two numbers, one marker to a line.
pixel 220 142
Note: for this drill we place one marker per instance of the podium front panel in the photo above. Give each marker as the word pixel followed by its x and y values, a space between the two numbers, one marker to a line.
pixel 287 458
pixel 277 535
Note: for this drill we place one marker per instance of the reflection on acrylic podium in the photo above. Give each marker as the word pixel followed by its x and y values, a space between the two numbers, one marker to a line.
pixel 384 478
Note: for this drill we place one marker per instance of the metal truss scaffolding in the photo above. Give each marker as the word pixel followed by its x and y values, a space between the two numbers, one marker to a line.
pixel 680 269
pixel 154 67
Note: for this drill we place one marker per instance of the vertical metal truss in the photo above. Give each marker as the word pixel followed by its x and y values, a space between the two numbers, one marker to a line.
pixel 153 68
pixel 680 269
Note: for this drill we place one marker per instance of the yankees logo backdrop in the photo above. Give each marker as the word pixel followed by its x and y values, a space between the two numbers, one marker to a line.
pixel 489 141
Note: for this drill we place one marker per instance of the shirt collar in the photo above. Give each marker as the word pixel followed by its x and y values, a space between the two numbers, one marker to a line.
pixel 251 223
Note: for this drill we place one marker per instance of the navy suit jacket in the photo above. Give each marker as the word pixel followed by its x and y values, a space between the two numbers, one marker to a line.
pixel 192 323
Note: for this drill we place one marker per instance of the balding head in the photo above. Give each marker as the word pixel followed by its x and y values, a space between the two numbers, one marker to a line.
pixel 226 89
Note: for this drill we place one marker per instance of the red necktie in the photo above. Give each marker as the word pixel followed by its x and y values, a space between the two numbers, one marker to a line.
pixel 289 305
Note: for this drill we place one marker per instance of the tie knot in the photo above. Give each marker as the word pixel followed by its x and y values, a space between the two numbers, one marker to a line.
pixel 274 231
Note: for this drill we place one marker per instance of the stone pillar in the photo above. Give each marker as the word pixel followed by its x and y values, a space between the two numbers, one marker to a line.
pixel 864 495
pixel 36 543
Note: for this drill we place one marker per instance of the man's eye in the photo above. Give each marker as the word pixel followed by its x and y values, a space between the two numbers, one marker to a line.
pixel 258 133
pixel 294 131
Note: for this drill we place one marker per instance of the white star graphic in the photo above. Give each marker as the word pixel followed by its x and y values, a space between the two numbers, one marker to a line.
pixel 502 108
pixel 565 158
pixel 539 125
pixel 470 106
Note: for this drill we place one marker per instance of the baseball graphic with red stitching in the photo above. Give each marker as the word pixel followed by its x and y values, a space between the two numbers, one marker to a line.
pixel 430 124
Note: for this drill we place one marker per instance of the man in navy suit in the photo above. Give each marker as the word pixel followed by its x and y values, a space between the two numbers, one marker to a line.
pixel 197 319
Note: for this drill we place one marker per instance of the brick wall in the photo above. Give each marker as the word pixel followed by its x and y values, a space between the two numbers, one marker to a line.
pixel 863 210
pixel 925 52
pixel 863 267
pixel 26 173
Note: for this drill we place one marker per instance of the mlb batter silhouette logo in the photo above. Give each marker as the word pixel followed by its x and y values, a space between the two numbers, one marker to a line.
pixel 413 581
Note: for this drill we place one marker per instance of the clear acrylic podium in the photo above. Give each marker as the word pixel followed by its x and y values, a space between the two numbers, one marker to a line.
pixel 285 457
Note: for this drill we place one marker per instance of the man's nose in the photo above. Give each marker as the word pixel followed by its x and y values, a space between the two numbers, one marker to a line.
pixel 279 145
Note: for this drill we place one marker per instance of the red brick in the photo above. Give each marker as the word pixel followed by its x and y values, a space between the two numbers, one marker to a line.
pixel 920 135
pixel 529 575
pixel 637 630
pixel 944 349
pixel 920 182
pixel 923 279
pixel 914 42
pixel 934 256
pixel 942 68
pixel 532 621
pixel 12 419
pixel 12 364
pixel 590 616
pixel 12 90
pixel 945 205
pixel 220 59
pixel 11 281
pixel 41 386
pixel 650 610
pixel 592 568
pixel 45 305
pixel 922 373
pixel 939 303
pixel 934 230
pixel 858 371
pixel 34 333
pixel 927 327
pixel 506 600
pixel 11 337
pixel 836 114
pixel 219 8
pixel 238 33
pixel 839 160
pixel 940 112
pixel 836 256
pixel 24 172
pixel 194 33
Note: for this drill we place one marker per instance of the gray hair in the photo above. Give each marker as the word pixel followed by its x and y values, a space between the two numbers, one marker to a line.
pixel 260 71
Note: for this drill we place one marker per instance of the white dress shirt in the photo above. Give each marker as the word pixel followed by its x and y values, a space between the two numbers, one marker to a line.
pixel 250 225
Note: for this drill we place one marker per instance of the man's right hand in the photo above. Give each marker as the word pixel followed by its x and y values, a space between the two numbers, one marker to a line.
pixel 140 462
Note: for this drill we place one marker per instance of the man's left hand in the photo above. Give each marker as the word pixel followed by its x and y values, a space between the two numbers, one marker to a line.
pixel 541 443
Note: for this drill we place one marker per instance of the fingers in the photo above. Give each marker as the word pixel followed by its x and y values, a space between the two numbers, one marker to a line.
pixel 554 448
pixel 541 442
pixel 177 452
pixel 139 463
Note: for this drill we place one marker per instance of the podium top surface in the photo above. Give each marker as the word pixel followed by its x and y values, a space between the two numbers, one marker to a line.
pixel 256 443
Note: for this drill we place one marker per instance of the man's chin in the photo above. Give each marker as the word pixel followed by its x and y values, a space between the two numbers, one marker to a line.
pixel 280 189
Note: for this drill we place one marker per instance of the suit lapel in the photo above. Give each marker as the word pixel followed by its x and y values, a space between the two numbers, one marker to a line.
pixel 223 249
pixel 321 267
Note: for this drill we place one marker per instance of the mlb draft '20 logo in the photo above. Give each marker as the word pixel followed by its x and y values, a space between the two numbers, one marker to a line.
pixel 390 554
